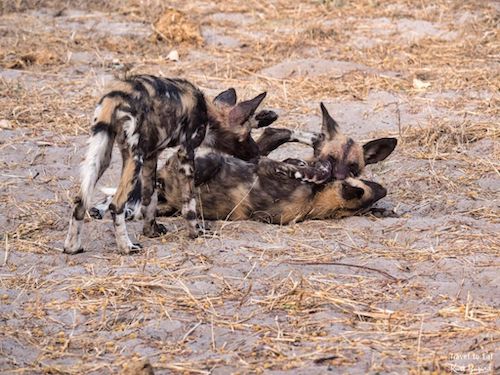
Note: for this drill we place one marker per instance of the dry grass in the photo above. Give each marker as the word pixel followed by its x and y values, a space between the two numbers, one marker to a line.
pixel 363 295
pixel 175 27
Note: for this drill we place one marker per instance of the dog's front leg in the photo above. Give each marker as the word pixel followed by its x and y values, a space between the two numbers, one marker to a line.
pixel 272 138
pixel 186 177
pixel 150 200
pixel 318 174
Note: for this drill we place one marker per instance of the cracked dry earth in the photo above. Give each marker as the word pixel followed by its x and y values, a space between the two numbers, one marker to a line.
pixel 418 293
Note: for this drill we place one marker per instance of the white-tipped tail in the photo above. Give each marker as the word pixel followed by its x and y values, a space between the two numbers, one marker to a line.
pixel 96 157
pixel 108 190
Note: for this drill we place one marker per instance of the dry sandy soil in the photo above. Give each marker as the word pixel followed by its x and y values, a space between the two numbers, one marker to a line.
pixel 418 293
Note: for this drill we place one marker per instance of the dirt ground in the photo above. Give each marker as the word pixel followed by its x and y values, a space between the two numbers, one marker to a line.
pixel 418 293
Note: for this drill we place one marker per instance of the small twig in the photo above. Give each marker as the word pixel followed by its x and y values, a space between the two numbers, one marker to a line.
pixel 214 347
pixel 346 265
pixel 191 331
pixel 419 341
pixel 6 250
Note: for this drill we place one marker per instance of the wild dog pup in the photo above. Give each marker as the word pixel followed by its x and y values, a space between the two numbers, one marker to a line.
pixel 332 149
pixel 144 115
pixel 227 137
pixel 232 189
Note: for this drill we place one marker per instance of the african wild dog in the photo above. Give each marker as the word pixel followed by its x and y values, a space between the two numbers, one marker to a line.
pixel 233 189
pixel 144 115
pixel 227 137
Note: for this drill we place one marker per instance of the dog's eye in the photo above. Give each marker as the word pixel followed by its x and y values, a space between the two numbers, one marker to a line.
pixel 354 169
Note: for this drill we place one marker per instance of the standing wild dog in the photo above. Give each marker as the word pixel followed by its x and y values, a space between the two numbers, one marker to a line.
pixel 144 115
pixel 226 137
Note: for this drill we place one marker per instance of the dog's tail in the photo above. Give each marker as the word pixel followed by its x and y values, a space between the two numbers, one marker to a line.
pixel 100 146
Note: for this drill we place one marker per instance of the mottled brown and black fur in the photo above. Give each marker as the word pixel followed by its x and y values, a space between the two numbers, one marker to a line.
pixel 292 190
pixel 340 153
pixel 144 115
pixel 336 157
pixel 232 189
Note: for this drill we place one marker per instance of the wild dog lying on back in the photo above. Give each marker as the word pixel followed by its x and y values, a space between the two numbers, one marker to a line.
pixel 233 189
pixel 145 115
pixel 280 192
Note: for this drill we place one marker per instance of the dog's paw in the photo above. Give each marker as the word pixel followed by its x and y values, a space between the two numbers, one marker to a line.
pixel 382 212
pixel 154 230
pixel 95 213
pixel 131 248
pixel 200 229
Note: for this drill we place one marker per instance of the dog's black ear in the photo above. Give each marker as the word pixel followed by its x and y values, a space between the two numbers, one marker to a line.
pixel 378 149
pixel 227 98
pixel 378 191
pixel 329 126
pixel 206 168
pixel 350 192
pixel 242 111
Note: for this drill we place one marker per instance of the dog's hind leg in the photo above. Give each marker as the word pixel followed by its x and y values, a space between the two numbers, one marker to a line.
pixel 318 173
pixel 128 183
pixel 186 177
pixel 97 160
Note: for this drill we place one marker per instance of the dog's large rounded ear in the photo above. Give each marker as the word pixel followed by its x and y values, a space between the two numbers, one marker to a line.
pixel 242 111
pixel 350 192
pixel 206 167
pixel 378 149
pixel 227 98
pixel 329 126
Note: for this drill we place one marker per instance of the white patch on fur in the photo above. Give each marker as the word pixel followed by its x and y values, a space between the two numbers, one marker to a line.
pixel 103 207
pixel 122 238
pixel 130 126
pixel 298 175
pixel 189 207
pixel 202 151
pixel 133 212
pixel 89 170
pixel 108 190
pixel 73 240
pixel 188 169
pixel 209 139
pixel 195 134
pixel 192 204
pixel 139 159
